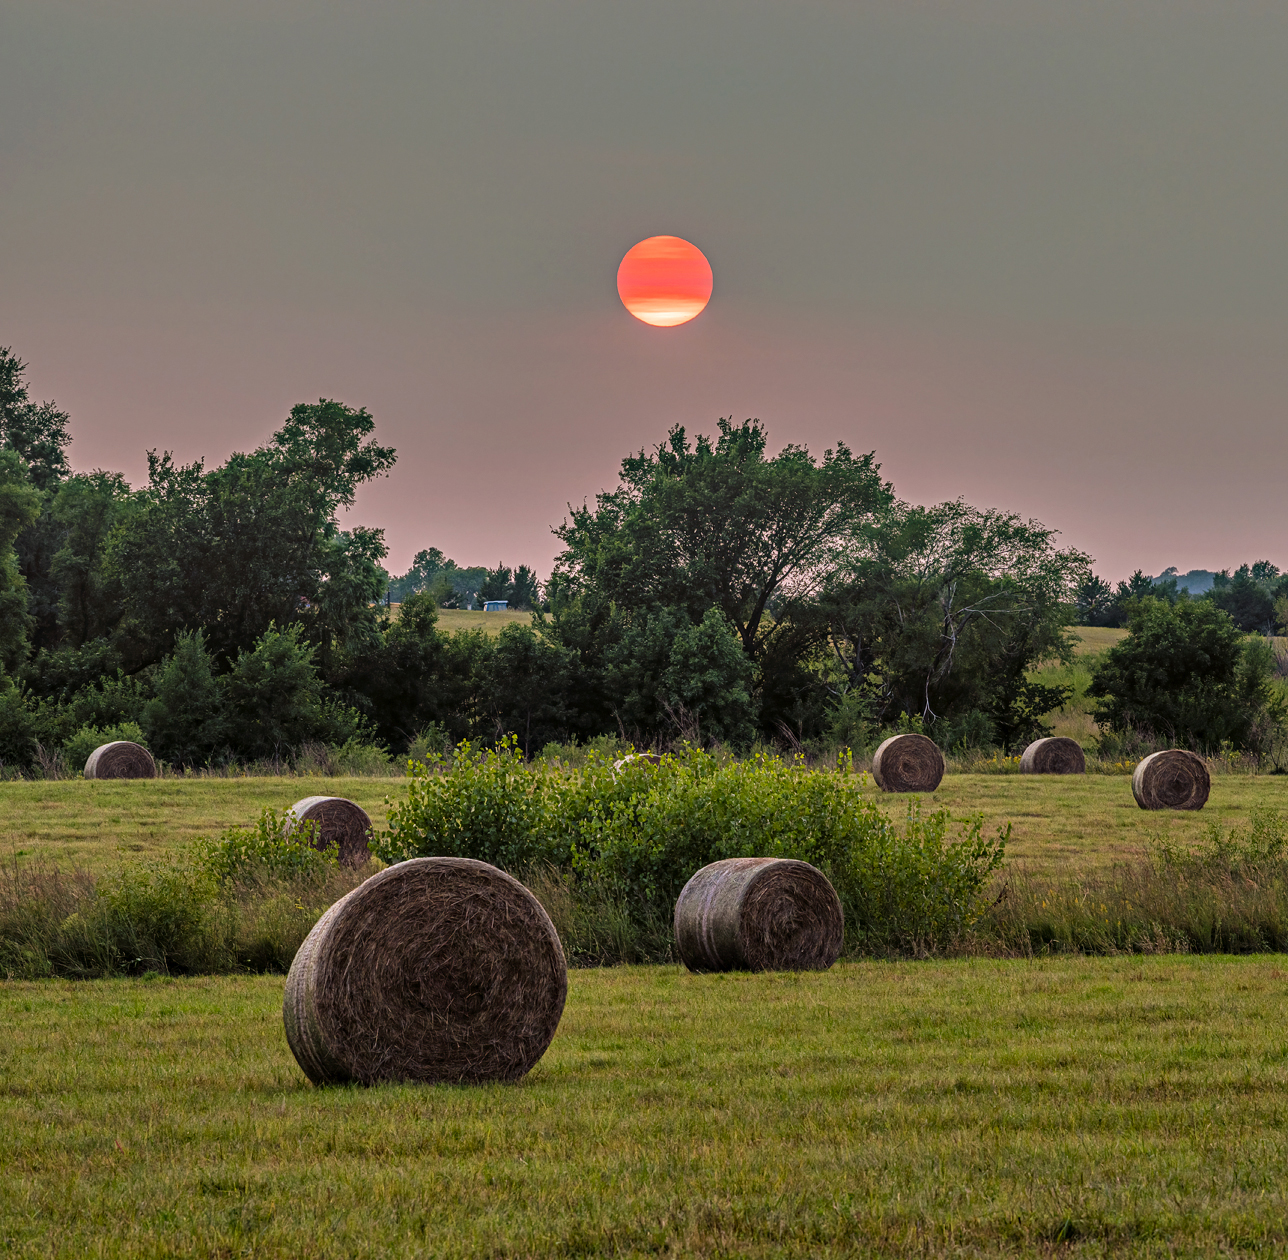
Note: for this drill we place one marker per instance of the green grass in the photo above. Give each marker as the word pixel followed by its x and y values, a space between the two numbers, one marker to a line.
pixel 1059 825
pixel 96 825
pixel 1085 1106
pixel 451 620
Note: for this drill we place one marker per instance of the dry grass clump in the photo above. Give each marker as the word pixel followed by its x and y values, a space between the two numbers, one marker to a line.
pixel 336 822
pixel 908 763
pixel 759 914
pixel 435 969
pixel 1174 779
pixel 121 759
pixel 1057 754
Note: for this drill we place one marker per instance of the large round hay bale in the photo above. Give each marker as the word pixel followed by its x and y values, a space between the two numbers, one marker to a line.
pixel 336 821
pixel 120 759
pixel 1057 754
pixel 436 969
pixel 759 914
pixel 908 763
pixel 1173 779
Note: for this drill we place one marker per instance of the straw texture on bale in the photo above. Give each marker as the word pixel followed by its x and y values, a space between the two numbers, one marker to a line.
pixel 1174 779
pixel 336 821
pixel 120 759
pixel 1057 754
pixel 908 763
pixel 759 914
pixel 436 969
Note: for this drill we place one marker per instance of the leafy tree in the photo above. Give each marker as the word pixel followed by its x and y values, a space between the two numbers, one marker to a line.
pixel 1186 674
pixel 254 542
pixel 185 723
pixel 277 701
pixel 415 675
pixel 90 599
pixel 1094 600
pixel 36 431
pixel 944 611
pixel 498 584
pixel 19 506
pixel 1248 596
pixel 525 686
pixel 719 525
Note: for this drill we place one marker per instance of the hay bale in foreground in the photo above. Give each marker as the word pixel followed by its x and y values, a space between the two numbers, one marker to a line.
pixel 908 763
pixel 1057 754
pixel 1173 779
pixel 336 821
pixel 759 914
pixel 436 969
pixel 121 759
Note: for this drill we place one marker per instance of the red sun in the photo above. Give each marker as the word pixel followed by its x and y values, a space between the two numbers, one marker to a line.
pixel 664 281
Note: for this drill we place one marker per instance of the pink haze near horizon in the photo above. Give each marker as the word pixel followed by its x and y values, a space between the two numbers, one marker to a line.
pixel 1032 255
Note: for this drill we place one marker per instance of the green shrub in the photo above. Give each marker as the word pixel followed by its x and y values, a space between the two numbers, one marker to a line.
pixel 78 748
pixel 626 840
pixel 270 849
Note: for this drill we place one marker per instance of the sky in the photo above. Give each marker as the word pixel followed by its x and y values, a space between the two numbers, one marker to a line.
pixel 1031 253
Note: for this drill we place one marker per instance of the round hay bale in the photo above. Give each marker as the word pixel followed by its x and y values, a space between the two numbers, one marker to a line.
pixel 121 759
pixel 908 763
pixel 338 822
pixel 436 969
pixel 1057 754
pixel 759 914
pixel 1174 779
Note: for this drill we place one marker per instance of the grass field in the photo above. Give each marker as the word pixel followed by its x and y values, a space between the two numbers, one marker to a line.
pixel 451 620
pixel 1085 1106
pixel 1059 825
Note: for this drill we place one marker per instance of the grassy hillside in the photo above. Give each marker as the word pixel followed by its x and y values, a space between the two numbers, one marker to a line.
pixel 1125 1106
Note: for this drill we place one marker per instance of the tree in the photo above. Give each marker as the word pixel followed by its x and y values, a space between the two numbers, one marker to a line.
pixel 254 542
pixel 36 431
pixel 1249 596
pixel 277 701
pixel 944 610
pixel 19 507
pixel 1186 674
pixel 525 688
pixel 86 508
pixel 1094 599
pixel 719 525
pixel 185 723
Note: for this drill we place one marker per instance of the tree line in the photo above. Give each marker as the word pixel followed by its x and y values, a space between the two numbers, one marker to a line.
pixel 718 592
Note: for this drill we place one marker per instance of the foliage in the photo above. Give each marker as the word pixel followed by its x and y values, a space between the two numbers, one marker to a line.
pixel 630 838
pixel 19 507
pixel 78 748
pixel 1185 673
pixel 943 612
pixel 274 847
pixel 1250 595
pixel 36 432
pixel 186 721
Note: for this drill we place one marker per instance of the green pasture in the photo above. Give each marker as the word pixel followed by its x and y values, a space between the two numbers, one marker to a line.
pixel 1124 1106
pixel 451 620
pixel 1060 825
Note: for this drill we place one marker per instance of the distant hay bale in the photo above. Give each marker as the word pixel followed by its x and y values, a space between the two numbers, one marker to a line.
pixel 759 914
pixel 436 969
pixel 1057 754
pixel 908 763
pixel 336 821
pixel 120 759
pixel 1174 779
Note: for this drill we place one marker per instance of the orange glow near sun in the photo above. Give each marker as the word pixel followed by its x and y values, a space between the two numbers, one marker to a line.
pixel 664 281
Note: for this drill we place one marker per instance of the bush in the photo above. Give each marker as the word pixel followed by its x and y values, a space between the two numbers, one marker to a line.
pixel 77 749
pixel 627 840
pixel 1187 675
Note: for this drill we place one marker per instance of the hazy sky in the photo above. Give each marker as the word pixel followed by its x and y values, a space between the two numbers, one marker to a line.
pixel 1032 253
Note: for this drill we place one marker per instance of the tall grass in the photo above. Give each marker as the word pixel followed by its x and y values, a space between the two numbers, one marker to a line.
pixel 1226 894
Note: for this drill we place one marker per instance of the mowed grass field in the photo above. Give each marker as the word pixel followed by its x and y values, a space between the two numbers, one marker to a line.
pixel 1059 825
pixel 1128 1107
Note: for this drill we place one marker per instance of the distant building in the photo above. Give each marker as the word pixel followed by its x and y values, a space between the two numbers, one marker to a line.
pixel 495 605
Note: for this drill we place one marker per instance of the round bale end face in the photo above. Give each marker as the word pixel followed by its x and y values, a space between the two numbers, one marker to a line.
pixel 759 914
pixel 336 821
pixel 121 759
pixel 908 763
pixel 1057 754
pixel 433 970
pixel 1172 779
